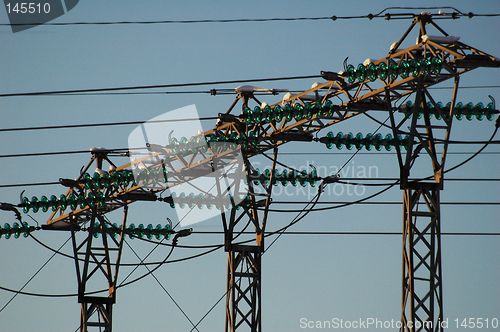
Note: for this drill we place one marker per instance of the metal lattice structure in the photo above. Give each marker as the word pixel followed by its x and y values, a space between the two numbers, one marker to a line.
pixel 379 85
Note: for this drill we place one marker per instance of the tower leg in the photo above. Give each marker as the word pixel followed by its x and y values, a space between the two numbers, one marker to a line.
pixel 422 294
pixel 243 299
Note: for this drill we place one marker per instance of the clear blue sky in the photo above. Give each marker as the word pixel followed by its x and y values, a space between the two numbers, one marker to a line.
pixel 317 277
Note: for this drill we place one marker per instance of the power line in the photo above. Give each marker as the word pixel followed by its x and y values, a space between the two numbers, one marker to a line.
pixel 51 153
pixel 382 14
pixel 36 184
pixel 356 233
pixel 106 124
pixel 143 87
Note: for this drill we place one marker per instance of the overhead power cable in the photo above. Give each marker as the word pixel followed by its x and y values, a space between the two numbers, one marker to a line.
pixel 454 15
pixel 160 86
pixel 106 124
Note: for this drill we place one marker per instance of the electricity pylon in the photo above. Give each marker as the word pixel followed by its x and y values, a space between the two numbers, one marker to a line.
pixel 378 85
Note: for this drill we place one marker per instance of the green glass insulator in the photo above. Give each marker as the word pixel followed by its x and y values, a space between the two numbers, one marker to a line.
pixel 96 180
pixel 321 110
pixel 233 137
pixel 309 111
pixel 168 230
pixel 184 145
pixel 275 179
pixel 16 230
pixel 253 138
pixel 414 67
pixel 35 204
pixel 208 202
pixel 140 231
pixel 100 199
pixel 371 72
pixel 339 138
pixel 96 229
pixel 303 178
pixel 106 180
pixel 1 233
pixel 131 231
pixel 439 110
pixel 149 232
pixel 349 141
pixel 329 142
pixel 480 111
pixel 284 178
pixel 114 230
pixel 328 108
pixel 86 180
pixel 182 200
pixel 194 144
pixel 278 113
pixel 459 111
pixel 361 73
pixel 490 111
pixel 116 179
pixel 126 178
pixel 436 65
pixel 404 69
pixel 144 176
pixel 406 142
pixel 351 74
pixel 408 108
pixel 7 230
pixel 358 141
pixel 63 202
pixel 247 115
pixel 420 111
pixel 377 141
pixel 267 114
pixel 73 202
pixel 368 142
pixel 91 200
pixel 154 175
pixel 257 114
pixel 26 202
pixel 469 110
pixel 266 175
pixel 44 203
pixel 293 178
pixel 54 202
pixel 383 71
pixel 425 67
pixel 398 140
pixel 81 201
pixel 191 200
pixel 393 69
pixel 174 142
pixel 199 201
pixel 25 228
pixel 312 178
pixel 255 176
pixel 158 232
pixel 298 111
pixel 388 142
